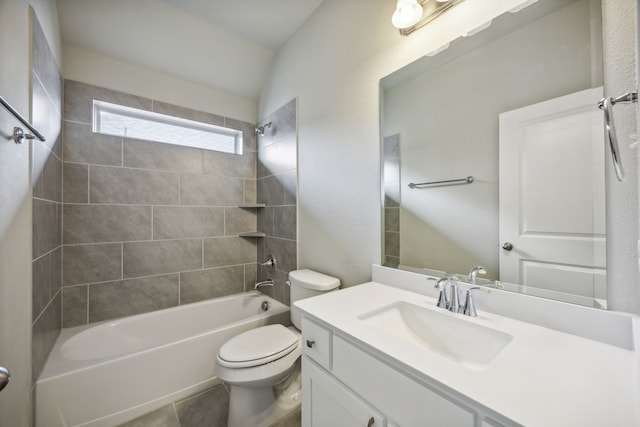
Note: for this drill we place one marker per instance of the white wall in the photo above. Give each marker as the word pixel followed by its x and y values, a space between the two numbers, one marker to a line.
pixel 333 65
pixel 15 202
pixel 620 51
pixel 104 71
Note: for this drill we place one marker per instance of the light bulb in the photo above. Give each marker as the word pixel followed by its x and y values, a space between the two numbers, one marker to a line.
pixel 408 13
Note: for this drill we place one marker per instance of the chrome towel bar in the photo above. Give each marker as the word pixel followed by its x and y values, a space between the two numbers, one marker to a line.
pixel 467 180
pixel 18 134
pixel 606 105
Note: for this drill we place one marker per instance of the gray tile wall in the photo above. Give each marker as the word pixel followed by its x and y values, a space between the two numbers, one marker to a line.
pixel 229 261
pixel 146 225
pixel 391 178
pixel 47 200
pixel 277 189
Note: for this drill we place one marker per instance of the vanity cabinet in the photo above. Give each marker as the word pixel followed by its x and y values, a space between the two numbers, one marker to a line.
pixel 326 402
pixel 344 385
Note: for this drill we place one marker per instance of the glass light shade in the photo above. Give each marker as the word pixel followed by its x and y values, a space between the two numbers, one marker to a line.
pixel 408 13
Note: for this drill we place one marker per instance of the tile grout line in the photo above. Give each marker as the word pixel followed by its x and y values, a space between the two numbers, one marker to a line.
pixel 121 260
pixel 152 223
pixel 88 184
pixel 175 413
pixel 87 309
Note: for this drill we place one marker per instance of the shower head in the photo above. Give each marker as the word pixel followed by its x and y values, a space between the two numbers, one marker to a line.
pixel 260 129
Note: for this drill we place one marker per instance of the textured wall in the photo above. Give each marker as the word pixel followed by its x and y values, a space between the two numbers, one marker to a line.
pixel 620 53
pixel 104 71
pixel 148 226
pixel 16 225
pixel 47 200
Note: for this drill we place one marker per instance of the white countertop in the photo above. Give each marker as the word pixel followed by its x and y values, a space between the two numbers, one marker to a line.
pixel 543 377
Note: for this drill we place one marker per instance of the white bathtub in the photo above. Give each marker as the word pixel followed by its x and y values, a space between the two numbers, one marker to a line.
pixel 104 374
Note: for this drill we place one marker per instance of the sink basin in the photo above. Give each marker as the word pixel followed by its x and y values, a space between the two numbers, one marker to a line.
pixel 447 334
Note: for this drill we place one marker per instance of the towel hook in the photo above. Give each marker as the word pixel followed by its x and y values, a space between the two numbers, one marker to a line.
pixel 606 105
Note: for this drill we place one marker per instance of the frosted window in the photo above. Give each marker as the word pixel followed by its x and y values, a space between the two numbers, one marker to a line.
pixel 118 120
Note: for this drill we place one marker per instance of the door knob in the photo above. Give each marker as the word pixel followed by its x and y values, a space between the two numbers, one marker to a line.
pixel 507 246
pixel 5 375
pixel 310 343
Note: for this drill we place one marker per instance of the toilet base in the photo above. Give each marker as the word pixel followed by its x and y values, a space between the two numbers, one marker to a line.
pixel 260 407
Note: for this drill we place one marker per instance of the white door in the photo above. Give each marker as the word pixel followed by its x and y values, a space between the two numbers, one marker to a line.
pixel 552 207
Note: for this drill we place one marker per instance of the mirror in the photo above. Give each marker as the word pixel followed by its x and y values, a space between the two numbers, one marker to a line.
pixel 513 107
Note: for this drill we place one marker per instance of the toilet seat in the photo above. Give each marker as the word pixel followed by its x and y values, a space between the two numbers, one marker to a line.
pixel 258 346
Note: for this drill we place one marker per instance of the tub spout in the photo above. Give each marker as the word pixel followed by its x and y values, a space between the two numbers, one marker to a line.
pixel 268 282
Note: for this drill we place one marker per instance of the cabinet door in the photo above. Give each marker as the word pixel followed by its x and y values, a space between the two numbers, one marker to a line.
pixel 403 400
pixel 327 403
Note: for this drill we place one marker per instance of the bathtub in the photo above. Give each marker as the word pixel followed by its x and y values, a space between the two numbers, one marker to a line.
pixel 107 373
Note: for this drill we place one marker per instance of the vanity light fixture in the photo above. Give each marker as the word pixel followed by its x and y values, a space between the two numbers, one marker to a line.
pixel 411 15
pixel 407 14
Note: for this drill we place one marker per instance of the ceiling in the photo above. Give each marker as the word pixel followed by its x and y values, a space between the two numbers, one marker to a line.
pixel 224 44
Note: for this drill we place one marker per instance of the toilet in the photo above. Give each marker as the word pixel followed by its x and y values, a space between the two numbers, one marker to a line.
pixel 261 366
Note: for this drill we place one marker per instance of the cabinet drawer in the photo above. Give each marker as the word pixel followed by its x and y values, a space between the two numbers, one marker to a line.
pixel 404 401
pixel 316 342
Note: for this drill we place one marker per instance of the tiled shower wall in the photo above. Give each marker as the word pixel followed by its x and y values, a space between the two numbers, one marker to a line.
pixel 277 184
pixel 146 225
pixel 391 177
pixel 47 199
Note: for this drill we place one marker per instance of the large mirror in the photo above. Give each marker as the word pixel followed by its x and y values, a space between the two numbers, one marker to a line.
pixel 508 115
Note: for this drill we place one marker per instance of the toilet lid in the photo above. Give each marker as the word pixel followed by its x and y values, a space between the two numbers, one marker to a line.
pixel 259 345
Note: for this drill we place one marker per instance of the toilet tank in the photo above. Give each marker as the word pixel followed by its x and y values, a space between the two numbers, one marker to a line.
pixel 306 284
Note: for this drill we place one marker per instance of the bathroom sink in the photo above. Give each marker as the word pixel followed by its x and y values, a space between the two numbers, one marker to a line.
pixel 447 334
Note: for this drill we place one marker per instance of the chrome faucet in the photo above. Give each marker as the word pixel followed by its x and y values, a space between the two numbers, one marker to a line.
pixel 478 269
pixel 268 282
pixel 454 300
pixel 451 302
pixel 441 285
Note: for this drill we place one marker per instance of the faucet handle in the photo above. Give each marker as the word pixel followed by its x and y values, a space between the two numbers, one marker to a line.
pixel 496 284
pixel 441 284
pixel 469 308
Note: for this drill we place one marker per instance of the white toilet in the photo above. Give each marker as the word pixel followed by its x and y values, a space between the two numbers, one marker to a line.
pixel 260 365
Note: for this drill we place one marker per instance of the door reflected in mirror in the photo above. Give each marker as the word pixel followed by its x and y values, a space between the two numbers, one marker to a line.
pixel 514 107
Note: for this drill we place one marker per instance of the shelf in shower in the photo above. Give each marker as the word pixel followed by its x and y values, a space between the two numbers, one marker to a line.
pixel 252 234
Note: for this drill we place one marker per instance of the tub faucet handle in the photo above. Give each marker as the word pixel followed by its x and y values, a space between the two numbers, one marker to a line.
pixel 270 261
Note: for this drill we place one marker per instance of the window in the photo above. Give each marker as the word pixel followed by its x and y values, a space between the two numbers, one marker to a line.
pixel 118 120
